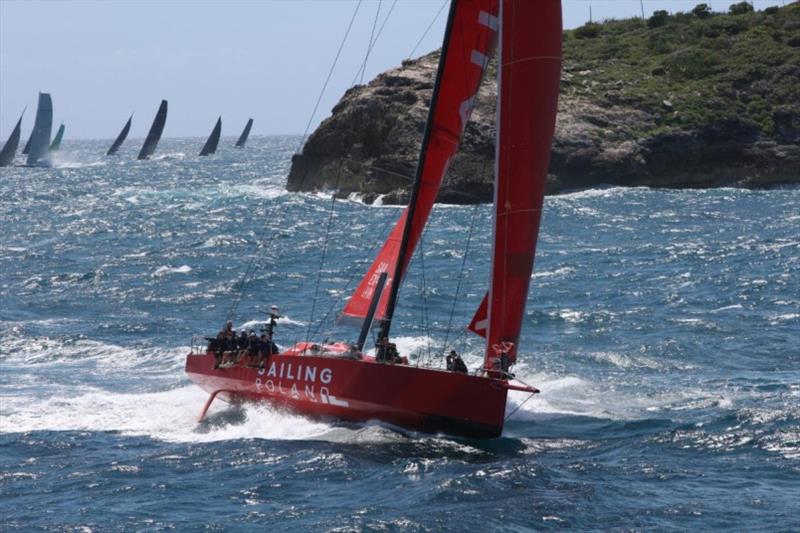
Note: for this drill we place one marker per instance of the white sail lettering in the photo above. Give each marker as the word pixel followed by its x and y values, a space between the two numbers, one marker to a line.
pixel 272 373
pixel 490 21
pixel 479 59
pixel 465 109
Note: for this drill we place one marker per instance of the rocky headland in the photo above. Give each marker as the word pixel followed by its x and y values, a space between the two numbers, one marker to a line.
pixel 696 99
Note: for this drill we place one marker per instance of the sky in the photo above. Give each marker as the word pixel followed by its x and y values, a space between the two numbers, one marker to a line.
pixel 266 59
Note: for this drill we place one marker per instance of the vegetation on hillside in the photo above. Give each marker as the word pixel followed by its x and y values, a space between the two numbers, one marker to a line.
pixel 692 69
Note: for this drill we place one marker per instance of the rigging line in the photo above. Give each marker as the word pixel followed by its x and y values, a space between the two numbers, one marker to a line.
pixel 475 197
pixel 460 276
pixel 355 270
pixel 425 315
pixel 371 42
pixel 250 270
pixel 531 395
pixel 374 42
pixel 330 73
pixel 523 403
pixel 324 251
pixel 245 278
pixel 435 18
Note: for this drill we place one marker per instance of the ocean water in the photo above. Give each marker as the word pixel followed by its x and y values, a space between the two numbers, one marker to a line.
pixel 663 329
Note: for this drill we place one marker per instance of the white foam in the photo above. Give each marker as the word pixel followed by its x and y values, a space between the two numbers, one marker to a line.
pixel 259 191
pixel 164 270
pixel 604 192
pixel 726 308
pixel 553 273
pixel 169 415
pixel 172 155
pixel 106 358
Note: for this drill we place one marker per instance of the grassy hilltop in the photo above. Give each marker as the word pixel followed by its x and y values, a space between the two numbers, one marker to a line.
pixel 693 99
pixel 692 69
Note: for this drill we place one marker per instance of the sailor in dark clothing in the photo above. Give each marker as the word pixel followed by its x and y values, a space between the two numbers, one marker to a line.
pixel 266 348
pixel 252 348
pixel 386 352
pixel 227 344
pixel 455 363
pixel 215 345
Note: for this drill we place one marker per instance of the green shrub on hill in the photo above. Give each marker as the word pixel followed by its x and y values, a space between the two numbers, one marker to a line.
pixel 690 69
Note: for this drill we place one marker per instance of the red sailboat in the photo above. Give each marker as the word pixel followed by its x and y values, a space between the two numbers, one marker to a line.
pixel 339 380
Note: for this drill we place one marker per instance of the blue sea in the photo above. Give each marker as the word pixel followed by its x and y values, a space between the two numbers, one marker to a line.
pixel 663 329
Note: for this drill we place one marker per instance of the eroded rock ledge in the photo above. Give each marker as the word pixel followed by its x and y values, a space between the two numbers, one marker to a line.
pixel 634 110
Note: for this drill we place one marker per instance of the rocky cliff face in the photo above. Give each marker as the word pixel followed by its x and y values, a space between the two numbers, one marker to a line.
pixel 635 109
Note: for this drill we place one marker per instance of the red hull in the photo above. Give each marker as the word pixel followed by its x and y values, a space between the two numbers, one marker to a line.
pixel 420 399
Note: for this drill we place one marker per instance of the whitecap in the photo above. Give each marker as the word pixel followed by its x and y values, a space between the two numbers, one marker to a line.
pixel 164 270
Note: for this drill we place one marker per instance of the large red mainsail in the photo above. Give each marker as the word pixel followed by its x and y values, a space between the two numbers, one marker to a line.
pixel 529 75
pixel 469 44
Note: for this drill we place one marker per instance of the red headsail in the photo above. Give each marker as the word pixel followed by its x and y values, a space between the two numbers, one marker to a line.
pixel 530 59
pixel 471 42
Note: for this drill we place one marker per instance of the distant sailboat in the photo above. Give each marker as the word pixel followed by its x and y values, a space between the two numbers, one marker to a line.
pixel 213 140
pixel 156 130
pixel 120 138
pixel 42 127
pixel 245 134
pixel 10 148
pixel 56 144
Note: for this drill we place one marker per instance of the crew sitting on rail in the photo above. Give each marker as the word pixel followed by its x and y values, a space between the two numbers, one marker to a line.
pixel 455 363
pixel 241 346
pixel 225 345
pixel 252 349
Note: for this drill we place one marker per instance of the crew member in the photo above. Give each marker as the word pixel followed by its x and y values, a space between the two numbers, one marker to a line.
pixel 455 363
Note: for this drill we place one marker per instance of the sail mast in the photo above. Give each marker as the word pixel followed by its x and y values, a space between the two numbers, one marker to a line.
pixel 397 277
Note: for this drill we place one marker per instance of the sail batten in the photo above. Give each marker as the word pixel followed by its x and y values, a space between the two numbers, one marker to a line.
pixel 213 140
pixel 469 34
pixel 12 143
pixel 245 134
pixel 154 135
pixel 42 128
pixel 120 138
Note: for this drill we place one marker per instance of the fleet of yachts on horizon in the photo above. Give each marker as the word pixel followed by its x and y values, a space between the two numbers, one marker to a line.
pixel 39 147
